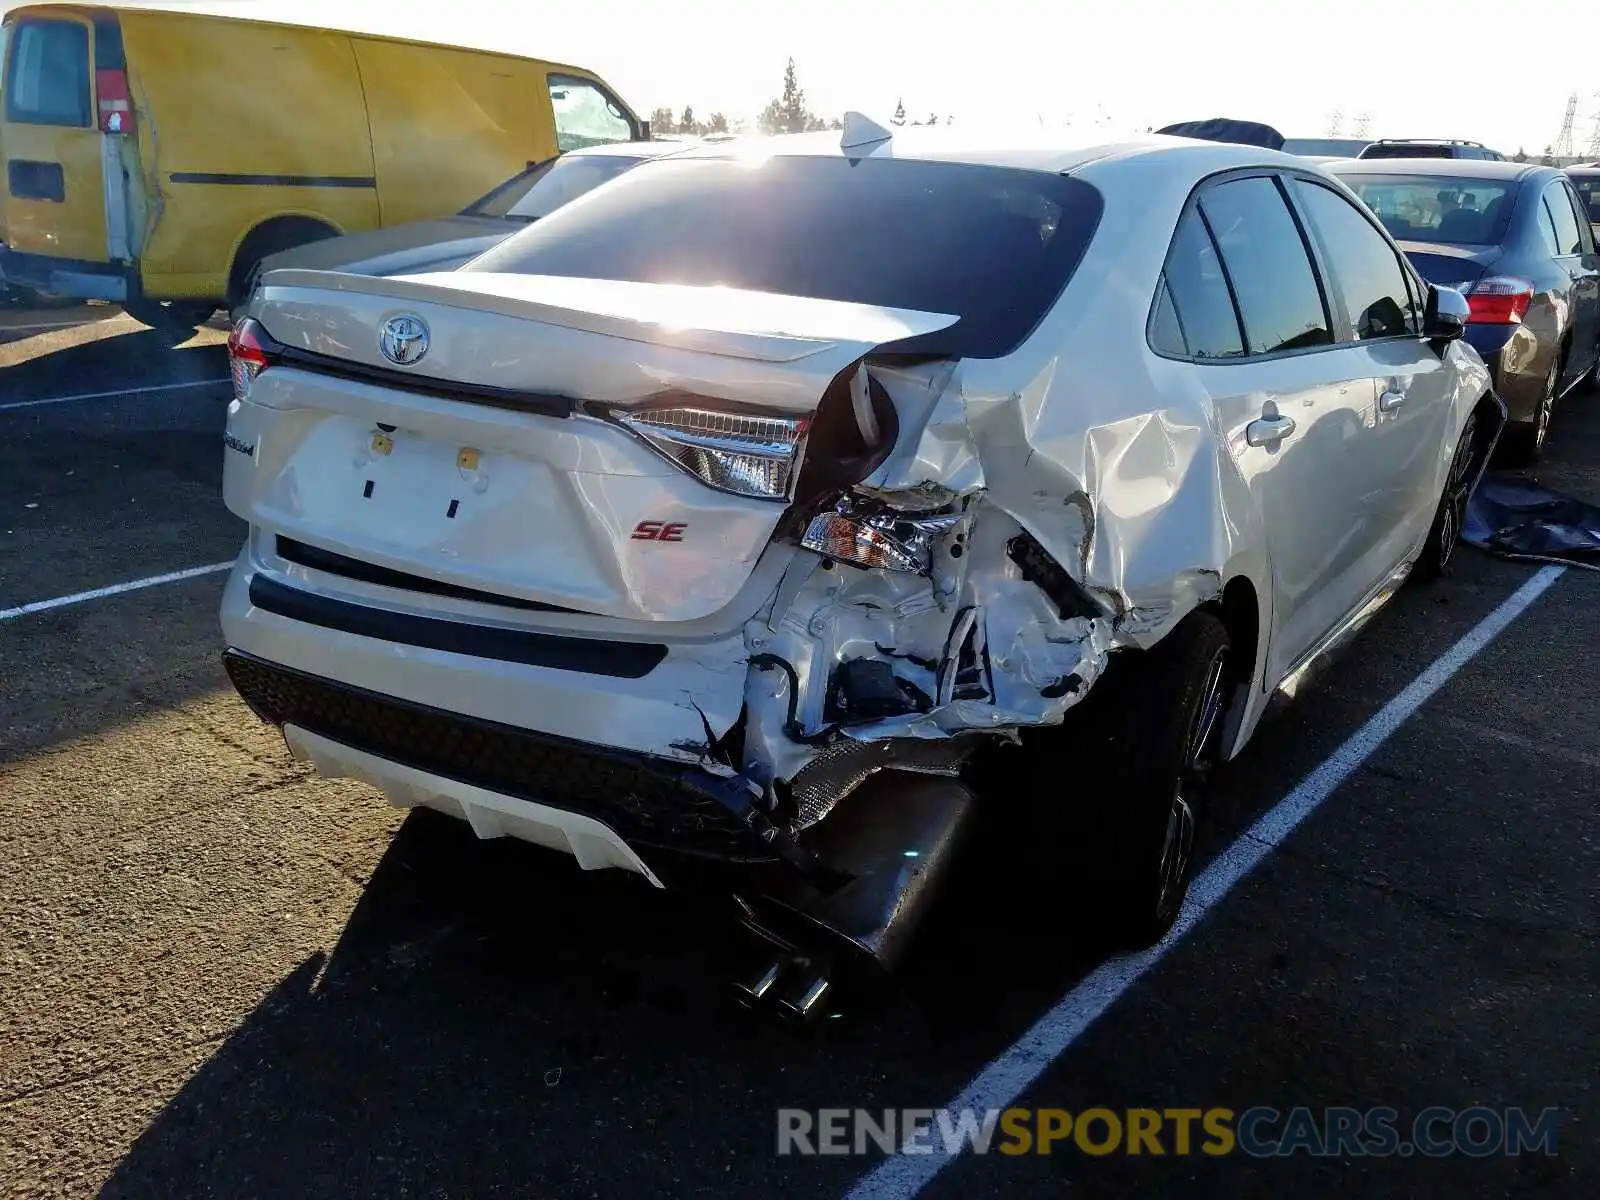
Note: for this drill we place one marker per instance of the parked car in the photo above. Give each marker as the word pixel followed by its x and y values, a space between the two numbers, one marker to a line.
pixel 1586 181
pixel 1514 239
pixel 726 514
pixel 1430 148
pixel 446 242
pixel 153 157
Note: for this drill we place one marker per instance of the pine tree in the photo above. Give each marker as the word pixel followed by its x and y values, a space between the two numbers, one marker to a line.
pixel 899 117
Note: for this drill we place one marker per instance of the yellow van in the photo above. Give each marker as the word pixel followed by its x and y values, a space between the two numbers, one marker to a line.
pixel 153 157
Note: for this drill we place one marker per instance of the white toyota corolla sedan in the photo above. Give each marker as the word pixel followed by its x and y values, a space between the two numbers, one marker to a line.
pixel 725 513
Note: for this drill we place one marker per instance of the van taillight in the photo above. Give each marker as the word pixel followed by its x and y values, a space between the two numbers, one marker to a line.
pixel 250 352
pixel 116 106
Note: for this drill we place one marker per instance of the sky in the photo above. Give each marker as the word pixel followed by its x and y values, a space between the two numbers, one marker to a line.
pixel 1116 66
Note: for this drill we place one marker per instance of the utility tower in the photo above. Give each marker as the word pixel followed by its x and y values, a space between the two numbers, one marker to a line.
pixel 1335 122
pixel 1363 124
pixel 1563 143
pixel 1593 151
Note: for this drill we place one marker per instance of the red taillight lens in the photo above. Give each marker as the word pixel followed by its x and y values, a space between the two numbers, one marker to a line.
pixel 1498 300
pixel 248 354
pixel 116 105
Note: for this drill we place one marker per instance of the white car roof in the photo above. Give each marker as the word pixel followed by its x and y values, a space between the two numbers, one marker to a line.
pixel 1041 150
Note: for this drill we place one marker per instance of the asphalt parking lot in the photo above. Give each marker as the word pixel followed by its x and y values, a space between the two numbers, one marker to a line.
pixel 221 976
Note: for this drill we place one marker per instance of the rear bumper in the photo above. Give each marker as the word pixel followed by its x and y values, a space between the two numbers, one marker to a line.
pixel 594 803
pixel 490 814
pixel 68 277
pixel 1517 363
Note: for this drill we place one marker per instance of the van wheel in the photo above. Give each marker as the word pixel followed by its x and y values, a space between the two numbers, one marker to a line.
pixel 271 238
pixel 171 317
pixel 1125 826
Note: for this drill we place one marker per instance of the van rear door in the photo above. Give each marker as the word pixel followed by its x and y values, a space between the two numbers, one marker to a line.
pixel 54 198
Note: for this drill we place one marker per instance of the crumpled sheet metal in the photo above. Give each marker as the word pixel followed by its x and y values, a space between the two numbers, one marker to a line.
pixel 1521 519
pixel 1133 506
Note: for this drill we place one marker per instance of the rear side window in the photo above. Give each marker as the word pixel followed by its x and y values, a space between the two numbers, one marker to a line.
pixel 1589 192
pixel 1202 307
pixel 990 246
pixel 1568 239
pixel 1581 216
pixel 47 74
pixel 586 114
pixel 1267 263
pixel 1363 268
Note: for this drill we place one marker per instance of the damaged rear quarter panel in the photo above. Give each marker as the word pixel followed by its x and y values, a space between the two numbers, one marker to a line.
pixel 1107 454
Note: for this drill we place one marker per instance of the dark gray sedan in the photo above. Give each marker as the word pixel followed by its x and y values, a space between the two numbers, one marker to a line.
pixel 444 243
pixel 1515 239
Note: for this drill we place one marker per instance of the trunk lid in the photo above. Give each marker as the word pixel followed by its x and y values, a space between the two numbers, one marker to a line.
pixel 1451 266
pixel 490 463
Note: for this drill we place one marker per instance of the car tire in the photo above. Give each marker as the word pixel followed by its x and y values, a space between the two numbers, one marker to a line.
pixel 1450 518
pixel 1523 441
pixel 1144 744
pixel 174 318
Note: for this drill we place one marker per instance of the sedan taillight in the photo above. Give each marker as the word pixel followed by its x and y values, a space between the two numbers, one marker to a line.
pixel 744 454
pixel 249 353
pixel 1498 300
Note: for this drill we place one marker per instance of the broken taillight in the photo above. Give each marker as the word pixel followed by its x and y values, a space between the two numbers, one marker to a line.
pixel 867 533
pixel 249 353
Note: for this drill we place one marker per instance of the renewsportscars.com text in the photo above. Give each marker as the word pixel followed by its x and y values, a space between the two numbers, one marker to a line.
pixel 1260 1132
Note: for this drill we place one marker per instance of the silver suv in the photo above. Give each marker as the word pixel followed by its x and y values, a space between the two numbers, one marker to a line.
pixel 725 513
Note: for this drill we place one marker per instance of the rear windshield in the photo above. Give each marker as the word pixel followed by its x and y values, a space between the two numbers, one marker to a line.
pixel 543 189
pixel 991 246
pixel 1437 208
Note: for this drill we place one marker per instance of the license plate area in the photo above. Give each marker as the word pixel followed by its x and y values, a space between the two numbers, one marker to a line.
pixel 419 489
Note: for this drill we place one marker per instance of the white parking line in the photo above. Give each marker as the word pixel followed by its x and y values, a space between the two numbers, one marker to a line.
pixel 115 589
pixel 1000 1083
pixel 138 391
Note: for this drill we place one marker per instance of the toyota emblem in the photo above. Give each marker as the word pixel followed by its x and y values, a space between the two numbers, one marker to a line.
pixel 404 339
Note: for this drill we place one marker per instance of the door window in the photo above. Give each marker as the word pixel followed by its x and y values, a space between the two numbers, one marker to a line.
pixel 1203 321
pixel 1568 240
pixel 1585 233
pixel 1265 257
pixel 1364 269
pixel 47 74
pixel 587 115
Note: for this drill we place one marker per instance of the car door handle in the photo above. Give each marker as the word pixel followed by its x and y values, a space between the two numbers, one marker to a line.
pixel 1268 431
pixel 1391 400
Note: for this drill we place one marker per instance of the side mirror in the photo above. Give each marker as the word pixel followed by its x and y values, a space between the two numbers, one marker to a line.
pixel 1444 317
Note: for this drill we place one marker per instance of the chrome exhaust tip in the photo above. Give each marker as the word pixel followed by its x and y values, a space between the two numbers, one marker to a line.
pixel 752 993
pixel 804 1003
